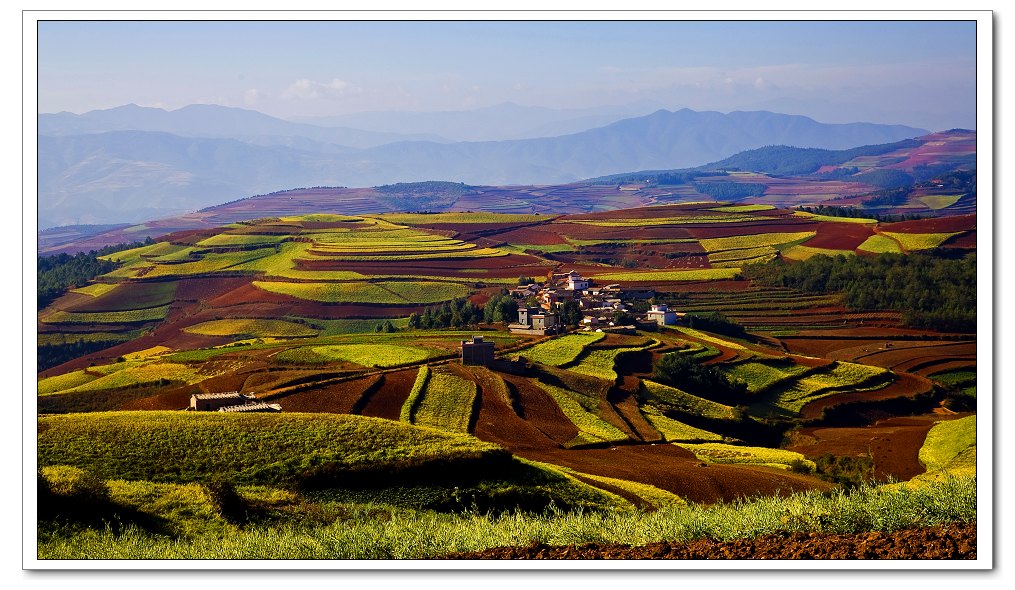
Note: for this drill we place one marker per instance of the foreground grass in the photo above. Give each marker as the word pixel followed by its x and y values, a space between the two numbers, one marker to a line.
pixel 378 532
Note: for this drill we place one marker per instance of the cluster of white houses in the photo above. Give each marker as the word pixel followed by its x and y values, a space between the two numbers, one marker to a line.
pixel 597 304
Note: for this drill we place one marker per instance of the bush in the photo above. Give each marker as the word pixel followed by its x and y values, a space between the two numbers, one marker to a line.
pixel 683 373
pixel 228 503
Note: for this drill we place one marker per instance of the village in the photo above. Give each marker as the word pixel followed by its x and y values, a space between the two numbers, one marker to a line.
pixel 600 307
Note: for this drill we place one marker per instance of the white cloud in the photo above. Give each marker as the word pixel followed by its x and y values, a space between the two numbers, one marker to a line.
pixel 311 89
pixel 252 96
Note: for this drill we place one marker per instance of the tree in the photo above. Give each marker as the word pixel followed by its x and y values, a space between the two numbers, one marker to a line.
pixel 683 373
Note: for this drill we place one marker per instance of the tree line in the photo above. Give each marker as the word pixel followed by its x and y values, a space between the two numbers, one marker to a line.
pixel 933 290
pixel 57 273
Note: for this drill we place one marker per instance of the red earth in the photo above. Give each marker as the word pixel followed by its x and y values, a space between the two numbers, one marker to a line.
pixel 943 542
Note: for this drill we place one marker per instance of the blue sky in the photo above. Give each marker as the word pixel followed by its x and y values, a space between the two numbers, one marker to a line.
pixel 920 73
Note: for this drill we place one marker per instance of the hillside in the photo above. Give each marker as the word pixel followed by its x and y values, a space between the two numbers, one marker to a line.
pixel 104 167
pixel 351 329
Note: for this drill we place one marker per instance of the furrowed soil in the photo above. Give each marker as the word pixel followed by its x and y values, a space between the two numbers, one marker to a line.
pixel 953 541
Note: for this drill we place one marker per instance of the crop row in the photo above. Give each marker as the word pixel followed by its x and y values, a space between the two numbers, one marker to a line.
pixel 673 398
pixel 726 453
pixel 706 274
pixel 392 292
pixel 415 394
pixel 462 218
pixel 251 327
pixel 600 363
pixel 674 430
pixel 133 316
pixel 563 350
pixel 262 448
pixel 447 402
pixel 793 396
pixel 753 241
pixel 880 244
pixel 58 338
pixel 913 242
pixel 367 355
pixel 799 252
pixel 594 428
pixel 135 375
pixel 760 376
pixel 671 220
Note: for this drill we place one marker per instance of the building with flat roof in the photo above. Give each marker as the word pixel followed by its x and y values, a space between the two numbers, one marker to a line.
pixel 661 315
pixel 477 351
pixel 254 407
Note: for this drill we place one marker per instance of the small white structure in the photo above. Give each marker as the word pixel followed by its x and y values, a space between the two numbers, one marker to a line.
pixel 575 282
pixel 590 321
pixel 662 316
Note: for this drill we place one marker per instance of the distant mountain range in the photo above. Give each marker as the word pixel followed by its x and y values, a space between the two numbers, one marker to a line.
pixel 133 163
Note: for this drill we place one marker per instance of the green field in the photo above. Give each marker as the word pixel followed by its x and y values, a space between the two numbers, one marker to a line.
pixel 671 220
pixel 592 428
pixel 563 350
pixel 671 397
pixel 132 296
pixel 257 328
pixel 462 218
pixel 384 292
pixel 841 377
pixel 674 430
pixel 95 289
pixel 134 316
pixel 600 363
pixel 262 448
pixel 123 375
pixel 880 244
pixel 760 376
pixel 752 241
pixel 725 453
pixel 951 445
pixel 913 242
pixel 447 402
pixel 706 274
pixel 742 208
pixel 940 201
pixel 800 252
pixel 833 218
pixel 367 355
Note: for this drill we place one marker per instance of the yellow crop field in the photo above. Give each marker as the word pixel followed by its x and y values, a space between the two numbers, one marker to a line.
pixel 880 245
pixel 940 201
pixel 804 252
pixel 95 289
pixel 252 327
pixel 705 274
pixel 913 242
pixel 384 292
pixel 753 241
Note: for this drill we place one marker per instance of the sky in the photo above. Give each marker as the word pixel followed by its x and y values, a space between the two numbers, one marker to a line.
pixel 916 73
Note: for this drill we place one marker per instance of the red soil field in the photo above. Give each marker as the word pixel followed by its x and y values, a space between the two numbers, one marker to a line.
pixel 936 225
pixel 539 410
pixel 953 541
pixel 336 398
pixel 532 235
pixel 387 401
pixel 727 230
pixel 966 240
pixel 894 443
pixel 840 236
pixel 498 423
pixel 674 469
pixel 905 386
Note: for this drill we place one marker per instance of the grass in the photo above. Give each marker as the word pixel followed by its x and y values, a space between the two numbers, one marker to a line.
pixel 227 239
pixel 251 327
pixel 367 355
pixel 832 218
pixel 384 292
pixel 65 381
pixel 133 296
pixel 58 338
pixel 713 339
pixel 879 244
pixel 447 402
pixel 742 208
pixel 940 201
pixel 262 448
pixel 95 289
pixel 415 394
pixel 134 316
pixel 563 350
pixel 350 326
pixel 724 453
pixel 801 252
pixel 706 274
pixel 592 428
pixel 600 363
pixel 913 242
pixel 127 375
pixel 376 532
pixel 673 398
pixel 947 443
pixel 842 377
pixel 462 218
pixel 760 376
pixel 752 241
pixel 670 220
pixel 674 430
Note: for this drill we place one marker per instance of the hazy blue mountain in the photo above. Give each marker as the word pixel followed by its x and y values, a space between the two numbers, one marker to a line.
pixel 205 120
pixel 504 121
pixel 123 176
